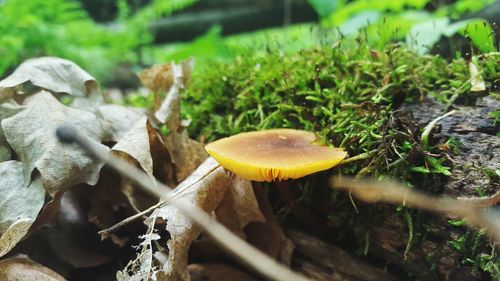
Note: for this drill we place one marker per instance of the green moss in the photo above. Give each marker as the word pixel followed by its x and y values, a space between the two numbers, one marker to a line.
pixel 349 97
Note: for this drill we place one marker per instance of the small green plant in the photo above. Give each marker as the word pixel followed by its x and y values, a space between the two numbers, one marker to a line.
pixel 386 21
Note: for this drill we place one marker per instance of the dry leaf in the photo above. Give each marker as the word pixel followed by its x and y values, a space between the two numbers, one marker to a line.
pixel 56 75
pixel 7 109
pixel 239 206
pixel 22 268
pixel 135 143
pixel 204 188
pixel 169 110
pixel 141 268
pixel 186 154
pixel 19 204
pixel 135 147
pixel 30 133
pixel 211 188
pixel 117 120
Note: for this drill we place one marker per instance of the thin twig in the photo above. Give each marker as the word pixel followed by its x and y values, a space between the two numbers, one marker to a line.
pixel 178 191
pixel 482 202
pixel 373 191
pixel 234 245
pixel 105 232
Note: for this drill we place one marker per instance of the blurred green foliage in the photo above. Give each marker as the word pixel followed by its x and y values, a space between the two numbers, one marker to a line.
pixel 62 28
pixel 382 22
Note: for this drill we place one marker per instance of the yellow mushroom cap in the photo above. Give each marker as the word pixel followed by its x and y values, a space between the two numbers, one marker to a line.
pixel 277 154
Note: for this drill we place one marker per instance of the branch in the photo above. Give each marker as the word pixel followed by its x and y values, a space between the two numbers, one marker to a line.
pixel 373 191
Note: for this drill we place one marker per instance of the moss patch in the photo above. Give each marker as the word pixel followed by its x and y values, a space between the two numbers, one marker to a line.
pixel 350 97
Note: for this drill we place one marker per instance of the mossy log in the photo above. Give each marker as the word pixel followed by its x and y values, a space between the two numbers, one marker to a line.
pixel 479 149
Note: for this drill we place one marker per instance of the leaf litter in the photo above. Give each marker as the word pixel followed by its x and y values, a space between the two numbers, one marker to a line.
pixel 30 110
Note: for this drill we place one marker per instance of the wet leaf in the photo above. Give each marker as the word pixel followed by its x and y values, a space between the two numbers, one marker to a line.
pixel 31 135
pixel 19 204
pixel 22 268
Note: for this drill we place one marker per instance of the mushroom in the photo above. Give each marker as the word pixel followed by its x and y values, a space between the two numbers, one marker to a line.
pixel 276 155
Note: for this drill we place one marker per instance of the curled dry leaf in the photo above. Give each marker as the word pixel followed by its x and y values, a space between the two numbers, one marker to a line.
pixel 7 109
pixel 31 135
pixel 169 111
pixel 186 154
pixel 205 188
pixel 135 143
pixel 23 268
pixel 56 75
pixel 117 120
pixel 135 147
pixel 267 235
pixel 19 204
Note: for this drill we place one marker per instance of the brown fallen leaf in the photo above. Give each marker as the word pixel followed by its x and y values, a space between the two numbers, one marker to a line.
pixel 135 143
pixel 117 120
pixel 22 268
pixel 8 108
pixel 56 75
pixel 19 204
pixel 30 133
pixel 206 188
pixel 217 272
pixel 186 154
pixel 239 207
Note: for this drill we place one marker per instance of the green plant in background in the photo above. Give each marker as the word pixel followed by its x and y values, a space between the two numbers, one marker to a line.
pixel 61 28
pixel 387 20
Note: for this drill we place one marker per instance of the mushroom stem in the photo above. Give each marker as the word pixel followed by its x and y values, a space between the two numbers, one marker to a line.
pixel 302 215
